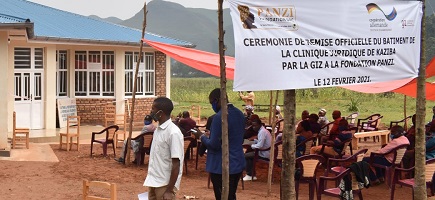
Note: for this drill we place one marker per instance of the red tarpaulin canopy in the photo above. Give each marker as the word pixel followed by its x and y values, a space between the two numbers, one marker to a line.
pixel 209 63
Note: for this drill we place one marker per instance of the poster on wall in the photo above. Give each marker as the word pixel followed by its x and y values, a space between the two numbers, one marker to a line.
pixel 299 44
pixel 66 107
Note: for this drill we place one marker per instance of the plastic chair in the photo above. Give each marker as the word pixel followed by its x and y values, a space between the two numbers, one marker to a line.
pixel 19 134
pixel 404 121
pixel 87 184
pixel 72 131
pixel 430 169
pixel 307 143
pixel 398 153
pixel 371 123
pixel 341 164
pixel 145 149
pixel 308 165
pixel 345 144
pixel 335 192
pixel 109 139
pixel 352 118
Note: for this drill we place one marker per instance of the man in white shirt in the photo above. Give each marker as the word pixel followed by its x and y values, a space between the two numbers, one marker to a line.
pixel 262 143
pixel 166 155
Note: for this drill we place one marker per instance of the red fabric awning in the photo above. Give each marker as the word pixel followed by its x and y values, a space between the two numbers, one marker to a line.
pixel 209 63
pixel 200 60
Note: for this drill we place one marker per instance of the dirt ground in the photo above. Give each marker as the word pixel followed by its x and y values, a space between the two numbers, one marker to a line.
pixel 63 180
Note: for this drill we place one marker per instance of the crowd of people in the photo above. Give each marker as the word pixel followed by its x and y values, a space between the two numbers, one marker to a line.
pixel 167 151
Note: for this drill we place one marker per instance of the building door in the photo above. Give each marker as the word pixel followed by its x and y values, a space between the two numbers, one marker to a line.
pixel 28 87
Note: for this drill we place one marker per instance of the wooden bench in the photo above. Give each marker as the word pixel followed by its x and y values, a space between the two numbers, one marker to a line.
pixel 383 134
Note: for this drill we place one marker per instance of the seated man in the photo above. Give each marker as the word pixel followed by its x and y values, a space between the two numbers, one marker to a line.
pixel 397 138
pixel 335 147
pixel 264 141
pixel 430 143
pixel 303 135
pixel 409 154
pixel 138 141
pixel 315 126
pixel 249 110
pixel 186 124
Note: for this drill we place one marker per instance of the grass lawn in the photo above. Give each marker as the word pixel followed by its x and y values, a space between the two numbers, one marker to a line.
pixel 194 91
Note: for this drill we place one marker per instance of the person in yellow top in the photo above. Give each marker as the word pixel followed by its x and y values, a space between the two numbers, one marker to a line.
pixel 248 99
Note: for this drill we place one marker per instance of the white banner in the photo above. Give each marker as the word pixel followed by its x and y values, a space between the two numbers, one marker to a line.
pixel 284 44
pixel 66 107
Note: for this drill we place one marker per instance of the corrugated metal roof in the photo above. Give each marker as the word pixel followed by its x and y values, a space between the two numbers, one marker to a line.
pixel 10 19
pixel 51 23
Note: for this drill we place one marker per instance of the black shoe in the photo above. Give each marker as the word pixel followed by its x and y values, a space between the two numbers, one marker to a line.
pixel 121 160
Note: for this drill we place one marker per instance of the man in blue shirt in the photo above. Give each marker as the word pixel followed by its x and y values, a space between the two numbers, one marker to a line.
pixel 213 142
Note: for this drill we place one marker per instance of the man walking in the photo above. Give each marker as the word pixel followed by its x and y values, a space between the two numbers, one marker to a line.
pixel 167 152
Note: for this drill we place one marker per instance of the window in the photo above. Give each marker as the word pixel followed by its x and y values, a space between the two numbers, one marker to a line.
pixel 95 73
pixel 146 74
pixel 61 73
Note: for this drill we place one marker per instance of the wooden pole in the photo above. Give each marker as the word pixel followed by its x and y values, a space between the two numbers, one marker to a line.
pixel 404 113
pixel 289 146
pixel 270 107
pixel 133 101
pixel 272 148
pixel 420 144
pixel 224 108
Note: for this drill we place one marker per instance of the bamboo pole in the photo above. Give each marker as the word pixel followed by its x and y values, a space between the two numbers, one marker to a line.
pixel 272 148
pixel 404 113
pixel 224 108
pixel 133 101
pixel 289 146
pixel 420 147
pixel 270 107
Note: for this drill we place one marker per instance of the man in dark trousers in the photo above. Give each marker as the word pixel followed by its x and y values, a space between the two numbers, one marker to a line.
pixel 213 142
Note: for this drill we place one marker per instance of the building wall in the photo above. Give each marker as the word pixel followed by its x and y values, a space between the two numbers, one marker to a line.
pixel 91 110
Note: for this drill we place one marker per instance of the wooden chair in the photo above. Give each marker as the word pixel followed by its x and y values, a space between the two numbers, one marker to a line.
pixel 145 149
pixel 187 145
pixel 88 184
pixel 109 139
pixel 308 165
pixel 404 121
pixel 335 192
pixel 307 143
pixel 72 131
pixel 195 113
pixel 109 114
pixel 371 123
pixel 398 153
pixel 121 121
pixel 19 134
pixel 429 171
pixel 352 118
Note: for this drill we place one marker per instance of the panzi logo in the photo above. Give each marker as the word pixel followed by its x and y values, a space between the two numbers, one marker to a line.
pixel 276 12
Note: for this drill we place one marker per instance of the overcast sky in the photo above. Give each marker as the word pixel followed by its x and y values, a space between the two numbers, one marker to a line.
pixel 122 9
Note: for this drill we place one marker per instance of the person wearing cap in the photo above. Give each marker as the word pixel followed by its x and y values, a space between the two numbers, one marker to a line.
pixel 278 114
pixel 323 120
pixel 397 138
pixel 138 141
pixel 248 98
pixel 249 111
pixel 263 142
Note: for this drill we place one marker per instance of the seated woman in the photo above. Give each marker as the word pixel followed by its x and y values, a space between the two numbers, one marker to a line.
pixel 397 138
pixel 335 147
pixel 303 135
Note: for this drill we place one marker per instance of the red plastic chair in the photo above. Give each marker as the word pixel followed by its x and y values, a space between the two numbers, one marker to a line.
pixel 430 169
pixel 109 139
pixel 399 152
